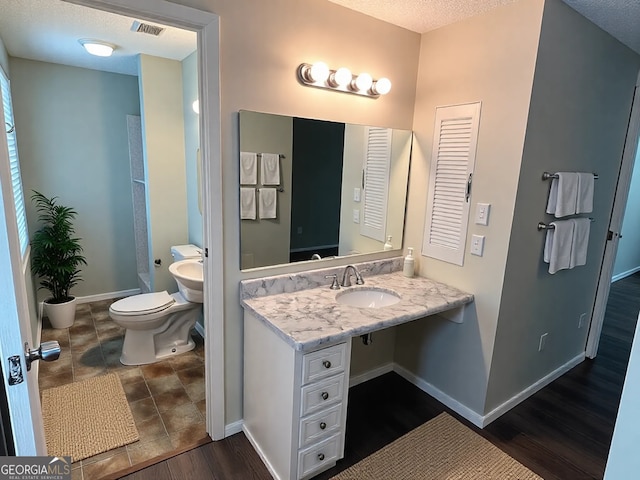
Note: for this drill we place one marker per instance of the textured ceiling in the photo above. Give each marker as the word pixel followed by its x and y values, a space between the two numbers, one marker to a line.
pixel 621 18
pixel 49 30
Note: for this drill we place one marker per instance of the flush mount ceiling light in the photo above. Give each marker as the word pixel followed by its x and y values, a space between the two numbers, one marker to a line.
pixel 320 75
pixel 97 47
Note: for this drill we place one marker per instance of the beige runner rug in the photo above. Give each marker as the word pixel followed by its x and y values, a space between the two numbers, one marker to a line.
pixel 83 419
pixel 441 449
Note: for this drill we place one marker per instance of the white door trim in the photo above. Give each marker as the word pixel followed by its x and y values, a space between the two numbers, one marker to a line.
pixel 207 25
pixel 615 225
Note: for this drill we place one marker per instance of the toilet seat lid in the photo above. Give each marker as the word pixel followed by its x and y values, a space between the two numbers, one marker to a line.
pixel 143 304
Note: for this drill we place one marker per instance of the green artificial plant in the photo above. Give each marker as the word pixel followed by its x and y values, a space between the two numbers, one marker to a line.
pixel 56 254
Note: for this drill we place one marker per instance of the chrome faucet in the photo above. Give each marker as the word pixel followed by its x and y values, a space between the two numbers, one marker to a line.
pixel 346 276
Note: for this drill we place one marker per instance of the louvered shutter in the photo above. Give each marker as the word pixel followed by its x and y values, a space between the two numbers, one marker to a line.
pixel 376 182
pixel 16 180
pixel 452 161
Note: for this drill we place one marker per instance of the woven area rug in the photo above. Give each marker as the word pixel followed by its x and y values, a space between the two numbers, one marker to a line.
pixel 441 449
pixel 83 419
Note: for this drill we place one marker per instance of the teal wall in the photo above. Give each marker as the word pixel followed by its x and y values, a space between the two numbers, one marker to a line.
pixel 73 144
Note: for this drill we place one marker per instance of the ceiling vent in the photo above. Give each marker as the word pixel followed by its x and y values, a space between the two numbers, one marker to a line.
pixel 146 28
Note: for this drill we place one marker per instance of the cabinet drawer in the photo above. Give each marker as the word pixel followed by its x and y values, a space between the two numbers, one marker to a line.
pixel 322 394
pixel 320 425
pixel 318 456
pixel 323 363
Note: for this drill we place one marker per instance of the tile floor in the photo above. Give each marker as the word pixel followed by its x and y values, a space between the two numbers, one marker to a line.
pixel 167 398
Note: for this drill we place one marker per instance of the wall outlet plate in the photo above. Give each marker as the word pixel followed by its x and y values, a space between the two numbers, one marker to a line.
pixel 356 215
pixel 477 245
pixel 482 213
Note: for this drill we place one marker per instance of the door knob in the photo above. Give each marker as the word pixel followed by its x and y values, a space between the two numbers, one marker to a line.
pixel 47 352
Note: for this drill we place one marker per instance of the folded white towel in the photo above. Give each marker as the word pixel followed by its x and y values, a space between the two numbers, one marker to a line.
pixel 580 242
pixel 268 202
pixel 247 203
pixel 584 202
pixel 270 169
pixel 248 168
pixel 563 194
pixel 557 246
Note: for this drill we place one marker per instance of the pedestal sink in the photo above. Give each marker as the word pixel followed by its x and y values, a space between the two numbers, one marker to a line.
pixel 190 279
pixel 368 297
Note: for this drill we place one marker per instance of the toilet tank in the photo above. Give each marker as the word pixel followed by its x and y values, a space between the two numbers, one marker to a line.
pixel 184 252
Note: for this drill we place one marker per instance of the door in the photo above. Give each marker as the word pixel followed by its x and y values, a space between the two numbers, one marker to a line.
pixel 615 225
pixel 15 328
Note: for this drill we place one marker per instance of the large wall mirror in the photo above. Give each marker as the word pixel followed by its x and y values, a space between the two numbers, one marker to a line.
pixel 313 189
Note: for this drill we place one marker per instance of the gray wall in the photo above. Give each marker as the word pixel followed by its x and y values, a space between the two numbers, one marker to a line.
pixel 580 106
pixel 628 255
pixel 73 144
pixel 4 58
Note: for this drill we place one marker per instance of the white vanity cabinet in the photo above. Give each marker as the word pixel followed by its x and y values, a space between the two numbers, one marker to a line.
pixel 295 403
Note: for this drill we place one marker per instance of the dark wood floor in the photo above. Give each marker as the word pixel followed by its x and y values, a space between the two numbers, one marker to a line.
pixel 563 432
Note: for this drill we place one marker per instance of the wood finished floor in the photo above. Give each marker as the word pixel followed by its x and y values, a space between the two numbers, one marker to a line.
pixel 563 432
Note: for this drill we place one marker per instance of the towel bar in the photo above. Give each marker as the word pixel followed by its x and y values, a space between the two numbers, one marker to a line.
pixel 544 226
pixel 547 176
pixel 280 189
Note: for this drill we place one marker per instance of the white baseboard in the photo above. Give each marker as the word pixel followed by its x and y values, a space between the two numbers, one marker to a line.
pixel 258 450
pixel 622 275
pixel 371 374
pixel 107 296
pixel 439 395
pixel 527 392
pixel 233 428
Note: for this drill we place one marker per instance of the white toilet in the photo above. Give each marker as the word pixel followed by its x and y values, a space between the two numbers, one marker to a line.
pixel 158 325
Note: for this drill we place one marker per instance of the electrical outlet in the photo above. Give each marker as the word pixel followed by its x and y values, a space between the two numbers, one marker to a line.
pixel 482 213
pixel 543 341
pixel 582 321
pixel 356 216
pixel 356 194
pixel 477 245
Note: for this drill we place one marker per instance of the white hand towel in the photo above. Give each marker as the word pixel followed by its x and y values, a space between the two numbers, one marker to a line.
pixel 584 202
pixel 580 242
pixel 557 247
pixel 563 194
pixel 268 202
pixel 270 169
pixel 247 203
pixel 248 168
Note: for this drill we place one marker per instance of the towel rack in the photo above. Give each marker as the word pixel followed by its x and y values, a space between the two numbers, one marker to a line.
pixel 544 226
pixel 281 155
pixel 547 176
pixel 279 189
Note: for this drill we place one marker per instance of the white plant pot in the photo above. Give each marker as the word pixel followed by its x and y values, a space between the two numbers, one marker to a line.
pixel 61 315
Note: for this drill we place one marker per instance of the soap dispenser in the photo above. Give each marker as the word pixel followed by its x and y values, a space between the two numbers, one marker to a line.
pixel 388 245
pixel 409 264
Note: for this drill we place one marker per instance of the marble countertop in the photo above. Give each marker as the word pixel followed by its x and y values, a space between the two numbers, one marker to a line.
pixel 310 318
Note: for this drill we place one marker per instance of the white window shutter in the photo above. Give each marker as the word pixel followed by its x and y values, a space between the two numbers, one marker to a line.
pixel 452 161
pixel 16 181
pixel 377 162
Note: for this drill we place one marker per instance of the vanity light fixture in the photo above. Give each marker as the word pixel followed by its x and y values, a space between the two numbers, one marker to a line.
pixel 320 75
pixel 97 47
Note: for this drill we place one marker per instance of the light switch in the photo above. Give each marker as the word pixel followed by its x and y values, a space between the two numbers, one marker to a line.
pixel 477 245
pixel 356 216
pixel 356 194
pixel 482 213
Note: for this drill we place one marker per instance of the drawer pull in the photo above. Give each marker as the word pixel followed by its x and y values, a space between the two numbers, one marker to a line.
pixel 323 425
pixel 326 364
pixel 321 456
pixel 324 395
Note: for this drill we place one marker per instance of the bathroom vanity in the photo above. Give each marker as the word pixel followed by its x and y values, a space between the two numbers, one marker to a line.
pixel 297 352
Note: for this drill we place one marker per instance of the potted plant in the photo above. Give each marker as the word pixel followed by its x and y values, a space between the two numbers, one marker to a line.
pixel 56 258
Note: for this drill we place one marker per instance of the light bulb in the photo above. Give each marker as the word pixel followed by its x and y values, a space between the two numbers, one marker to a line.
pixel 196 106
pixel 318 72
pixel 98 48
pixel 363 82
pixel 342 77
pixel 382 86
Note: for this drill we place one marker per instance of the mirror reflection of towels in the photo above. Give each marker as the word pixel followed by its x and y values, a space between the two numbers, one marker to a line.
pixel 248 203
pixel 270 169
pixel 248 168
pixel 268 202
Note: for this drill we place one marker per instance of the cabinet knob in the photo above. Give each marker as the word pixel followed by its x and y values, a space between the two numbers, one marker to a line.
pixel 323 425
pixel 324 395
pixel 321 456
pixel 326 364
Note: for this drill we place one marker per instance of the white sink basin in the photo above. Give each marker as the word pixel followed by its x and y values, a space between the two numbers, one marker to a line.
pixel 368 297
pixel 190 279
